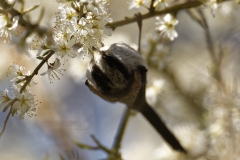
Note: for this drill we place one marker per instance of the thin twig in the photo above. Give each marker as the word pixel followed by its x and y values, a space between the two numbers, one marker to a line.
pixel 29 78
pixel 213 54
pixel 151 6
pixel 197 19
pixel 208 38
pixel 29 26
pixel 100 145
pixel 139 22
pixel 40 16
pixel 176 8
pixel 5 122
pixel 35 72
pixel 22 5
pixel 85 146
pixel 150 14
pixel 30 9
pixel 118 139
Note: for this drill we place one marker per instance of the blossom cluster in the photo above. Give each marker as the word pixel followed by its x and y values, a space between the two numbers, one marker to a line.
pixel 79 24
pixel 19 99
pixel 82 23
pixel 166 24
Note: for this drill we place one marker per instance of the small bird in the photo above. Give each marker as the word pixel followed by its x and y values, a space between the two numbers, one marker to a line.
pixel 118 74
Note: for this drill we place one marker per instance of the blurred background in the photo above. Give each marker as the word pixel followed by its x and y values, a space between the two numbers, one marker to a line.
pixel 181 86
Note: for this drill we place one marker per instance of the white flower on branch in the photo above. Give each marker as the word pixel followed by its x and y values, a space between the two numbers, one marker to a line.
pixel 53 70
pixel 64 47
pixel 80 28
pixel 159 2
pixel 17 72
pixel 81 22
pixel 6 27
pixel 39 45
pixel 63 42
pixel 98 7
pixel 66 13
pixel 19 78
pixel 166 26
pixel 136 4
pixel 98 28
pixel 25 103
pixel 4 98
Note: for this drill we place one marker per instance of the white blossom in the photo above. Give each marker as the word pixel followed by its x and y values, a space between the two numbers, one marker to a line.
pixel 159 2
pixel 67 12
pixel 17 72
pixel 80 28
pixel 63 48
pixel 53 70
pixel 39 45
pixel 166 26
pixel 136 4
pixel 7 29
pixel 4 98
pixel 19 77
pixel 98 28
pixel 98 7
pixel 25 103
pixel 81 22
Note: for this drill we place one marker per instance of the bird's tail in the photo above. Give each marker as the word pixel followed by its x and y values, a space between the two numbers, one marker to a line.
pixel 161 128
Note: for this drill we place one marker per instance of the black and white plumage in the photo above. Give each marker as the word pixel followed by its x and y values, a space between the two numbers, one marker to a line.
pixel 118 74
pixel 115 73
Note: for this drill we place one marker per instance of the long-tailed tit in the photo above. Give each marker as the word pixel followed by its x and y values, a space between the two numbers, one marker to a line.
pixel 118 74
